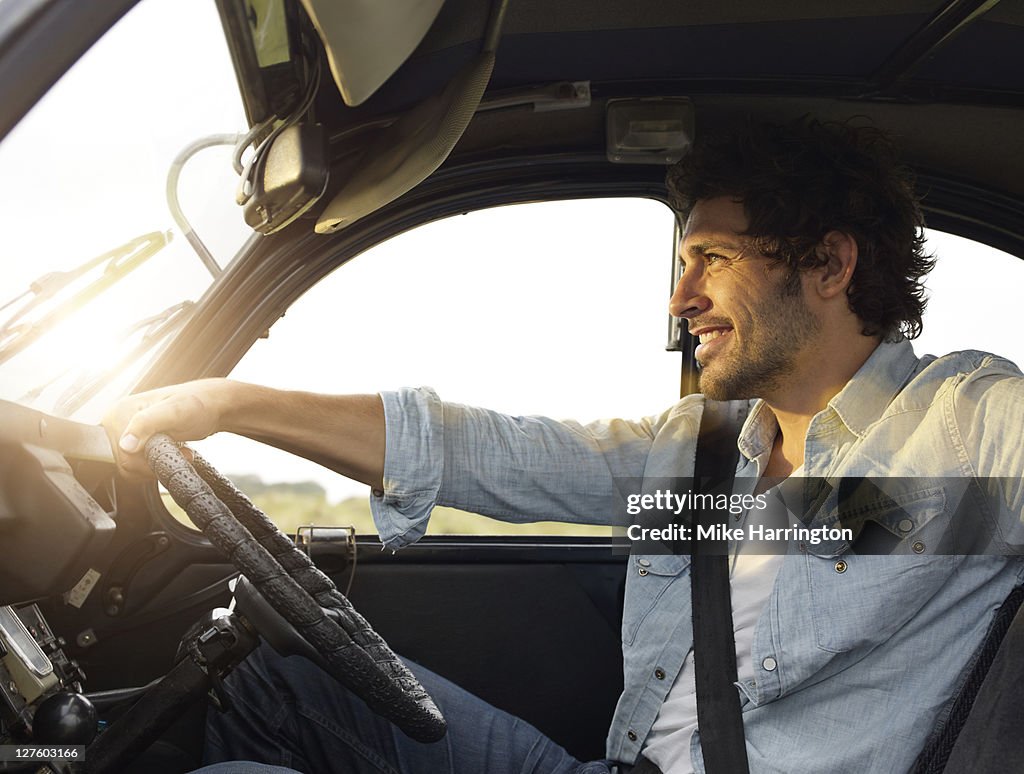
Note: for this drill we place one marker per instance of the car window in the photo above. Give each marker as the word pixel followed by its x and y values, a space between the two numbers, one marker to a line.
pixel 96 273
pixel 555 308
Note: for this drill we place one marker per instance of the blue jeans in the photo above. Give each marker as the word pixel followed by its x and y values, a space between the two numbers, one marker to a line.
pixel 289 714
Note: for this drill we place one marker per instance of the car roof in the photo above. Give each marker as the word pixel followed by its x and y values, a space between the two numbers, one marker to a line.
pixel 943 76
pixel 899 49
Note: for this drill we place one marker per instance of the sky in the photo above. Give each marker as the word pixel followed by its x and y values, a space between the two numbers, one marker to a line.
pixel 524 309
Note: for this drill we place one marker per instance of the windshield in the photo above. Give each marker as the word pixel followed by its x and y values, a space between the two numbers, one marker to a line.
pixel 95 272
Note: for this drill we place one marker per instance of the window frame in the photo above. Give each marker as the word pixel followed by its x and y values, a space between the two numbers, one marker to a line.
pixel 273 272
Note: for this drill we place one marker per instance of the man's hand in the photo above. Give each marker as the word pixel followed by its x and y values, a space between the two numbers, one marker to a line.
pixel 186 412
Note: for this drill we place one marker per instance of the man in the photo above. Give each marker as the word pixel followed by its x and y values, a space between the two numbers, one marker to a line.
pixel 803 266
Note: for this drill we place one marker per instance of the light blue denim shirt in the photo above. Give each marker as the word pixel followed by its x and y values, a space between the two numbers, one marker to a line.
pixel 856 656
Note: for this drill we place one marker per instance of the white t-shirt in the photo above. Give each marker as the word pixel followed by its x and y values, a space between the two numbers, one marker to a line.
pixel 751 579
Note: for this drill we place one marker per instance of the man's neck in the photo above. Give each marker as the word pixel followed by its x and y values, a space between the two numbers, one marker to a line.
pixel 805 393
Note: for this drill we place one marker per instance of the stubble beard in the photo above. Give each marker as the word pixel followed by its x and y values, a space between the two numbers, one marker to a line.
pixel 779 328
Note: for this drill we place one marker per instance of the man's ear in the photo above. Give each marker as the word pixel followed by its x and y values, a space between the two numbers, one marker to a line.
pixel 839 250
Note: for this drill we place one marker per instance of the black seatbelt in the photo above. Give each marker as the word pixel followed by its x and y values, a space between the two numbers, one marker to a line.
pixel 719 719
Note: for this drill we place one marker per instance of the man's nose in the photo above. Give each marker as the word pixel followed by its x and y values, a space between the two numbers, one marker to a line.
pixel 689 300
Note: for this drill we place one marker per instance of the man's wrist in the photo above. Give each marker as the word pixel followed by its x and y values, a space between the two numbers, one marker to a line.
pixel 237 406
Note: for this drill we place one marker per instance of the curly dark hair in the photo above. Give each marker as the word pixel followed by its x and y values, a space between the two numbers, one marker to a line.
pixel 797 182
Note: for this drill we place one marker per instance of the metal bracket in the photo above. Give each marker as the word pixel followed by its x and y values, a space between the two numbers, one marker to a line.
pixel 329 537
pixel 564 95
pixel 331 543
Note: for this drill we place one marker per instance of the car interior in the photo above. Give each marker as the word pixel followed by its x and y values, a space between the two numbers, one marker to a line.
pixel 116 629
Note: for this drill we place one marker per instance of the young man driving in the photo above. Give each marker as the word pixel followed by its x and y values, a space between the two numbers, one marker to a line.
pixel 803 253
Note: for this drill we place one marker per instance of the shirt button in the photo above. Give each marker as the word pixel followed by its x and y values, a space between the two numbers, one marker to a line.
pixel 644 562
pixel 377 492
pixel 918 547
pixel 905 525
pixel 769 664
pixel 631 734
pixel 642 571
pixel 659 673
pixel 841 566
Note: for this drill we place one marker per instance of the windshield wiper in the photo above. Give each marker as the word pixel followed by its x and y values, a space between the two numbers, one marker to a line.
pixel 15 335
pixel 157 329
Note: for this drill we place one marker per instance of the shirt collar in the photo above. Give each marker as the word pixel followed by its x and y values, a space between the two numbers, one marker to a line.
pixel 867 395
pixel 861 401
pixel 758 431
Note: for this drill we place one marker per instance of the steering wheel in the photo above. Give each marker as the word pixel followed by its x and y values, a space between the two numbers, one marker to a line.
pixel 349 649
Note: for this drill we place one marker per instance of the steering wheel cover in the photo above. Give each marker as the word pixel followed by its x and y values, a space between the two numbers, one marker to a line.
pixel 353 652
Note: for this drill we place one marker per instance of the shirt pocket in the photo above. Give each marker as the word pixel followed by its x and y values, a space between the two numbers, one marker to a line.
pixel 648 578
pixel 864 593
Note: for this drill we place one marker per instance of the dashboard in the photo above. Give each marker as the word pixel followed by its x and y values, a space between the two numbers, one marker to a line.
pixel 57 505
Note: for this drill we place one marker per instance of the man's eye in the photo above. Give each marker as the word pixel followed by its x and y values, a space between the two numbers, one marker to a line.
pixel 713 258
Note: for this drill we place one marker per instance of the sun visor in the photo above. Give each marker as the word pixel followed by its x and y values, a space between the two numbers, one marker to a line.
pixel 409 150
pixel 368 40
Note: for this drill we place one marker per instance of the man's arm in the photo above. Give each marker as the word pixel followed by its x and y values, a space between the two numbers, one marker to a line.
pixel 518 469
pixel 342 432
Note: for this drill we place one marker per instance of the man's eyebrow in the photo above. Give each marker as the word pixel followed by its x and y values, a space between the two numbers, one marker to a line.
pixel 705 246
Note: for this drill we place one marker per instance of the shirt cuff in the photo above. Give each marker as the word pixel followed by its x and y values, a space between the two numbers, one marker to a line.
pixel 413 465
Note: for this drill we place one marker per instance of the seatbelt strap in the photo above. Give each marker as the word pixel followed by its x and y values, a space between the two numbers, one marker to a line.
pixel 719 719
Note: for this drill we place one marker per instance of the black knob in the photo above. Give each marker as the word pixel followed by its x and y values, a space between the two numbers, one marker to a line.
pixel 64 718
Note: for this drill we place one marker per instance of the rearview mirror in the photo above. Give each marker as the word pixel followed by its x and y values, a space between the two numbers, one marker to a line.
pixel 288 178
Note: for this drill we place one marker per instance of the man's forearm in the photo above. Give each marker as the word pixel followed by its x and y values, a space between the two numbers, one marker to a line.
pixel 342 432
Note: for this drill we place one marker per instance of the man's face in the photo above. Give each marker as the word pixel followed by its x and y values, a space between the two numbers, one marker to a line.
pixel 752 324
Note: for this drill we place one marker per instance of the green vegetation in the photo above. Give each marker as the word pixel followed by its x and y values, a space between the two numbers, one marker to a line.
pixel 295 504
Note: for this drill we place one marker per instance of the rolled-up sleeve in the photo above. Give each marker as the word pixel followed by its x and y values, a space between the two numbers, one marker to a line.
pixel 413 465
pixel 518 469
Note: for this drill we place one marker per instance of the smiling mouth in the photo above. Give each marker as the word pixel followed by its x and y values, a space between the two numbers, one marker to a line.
pixel 710 341
pixel 706 337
